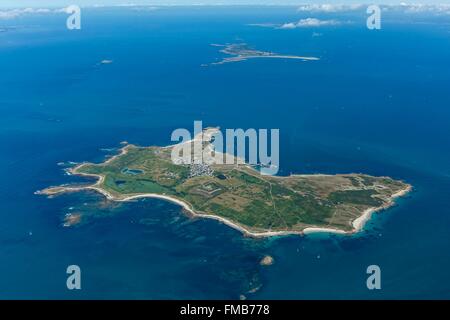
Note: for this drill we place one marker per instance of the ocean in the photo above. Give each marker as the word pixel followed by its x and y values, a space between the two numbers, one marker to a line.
pixel 377 102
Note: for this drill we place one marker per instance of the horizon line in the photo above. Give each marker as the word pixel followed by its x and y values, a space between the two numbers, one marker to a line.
pixel 130 5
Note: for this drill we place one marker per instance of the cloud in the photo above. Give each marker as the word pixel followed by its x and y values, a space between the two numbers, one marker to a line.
pixel 264 25
pixel 310 23
pixel 403 6
pixel 14 13
pixel 425 8
pixel 145 8
pixel 329 7
pixel 303 23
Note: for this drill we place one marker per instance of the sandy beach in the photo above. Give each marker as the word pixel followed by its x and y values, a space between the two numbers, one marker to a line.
pixel 359 223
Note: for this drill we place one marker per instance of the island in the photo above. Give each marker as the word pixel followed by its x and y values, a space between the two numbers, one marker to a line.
pixel 242 52
pixel 71 219
pixel 238 195
pixel 266 261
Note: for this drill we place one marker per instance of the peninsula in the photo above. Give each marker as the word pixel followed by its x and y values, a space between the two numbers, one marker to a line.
pixel 238 195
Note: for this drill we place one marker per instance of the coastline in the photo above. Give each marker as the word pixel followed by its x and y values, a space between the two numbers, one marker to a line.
pixel 357 224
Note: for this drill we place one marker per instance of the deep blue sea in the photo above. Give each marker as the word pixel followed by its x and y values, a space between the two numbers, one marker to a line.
pixel 378 102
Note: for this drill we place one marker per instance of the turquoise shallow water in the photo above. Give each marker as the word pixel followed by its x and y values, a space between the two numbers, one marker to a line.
pixel 376 103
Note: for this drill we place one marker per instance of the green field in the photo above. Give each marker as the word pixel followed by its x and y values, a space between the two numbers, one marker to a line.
pixel 240 194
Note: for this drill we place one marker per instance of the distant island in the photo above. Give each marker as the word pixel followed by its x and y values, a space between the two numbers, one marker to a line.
pixel 242 52
pixel 238 195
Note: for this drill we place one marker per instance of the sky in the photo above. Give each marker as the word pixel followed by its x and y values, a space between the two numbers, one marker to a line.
pixel 63 3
